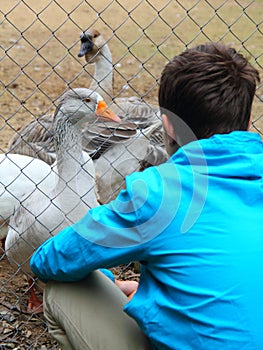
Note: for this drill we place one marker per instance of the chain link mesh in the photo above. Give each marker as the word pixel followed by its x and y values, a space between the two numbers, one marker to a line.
pixel 39 61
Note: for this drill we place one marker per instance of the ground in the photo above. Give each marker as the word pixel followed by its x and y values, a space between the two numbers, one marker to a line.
pixel 40 42
pixel 20 330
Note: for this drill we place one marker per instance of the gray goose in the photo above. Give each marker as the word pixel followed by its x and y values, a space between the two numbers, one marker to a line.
pixel 74 191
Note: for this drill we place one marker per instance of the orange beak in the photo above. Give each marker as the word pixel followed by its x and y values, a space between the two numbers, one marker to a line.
pixel 104 113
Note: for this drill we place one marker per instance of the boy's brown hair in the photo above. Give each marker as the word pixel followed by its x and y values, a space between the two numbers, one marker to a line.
pixel 211 88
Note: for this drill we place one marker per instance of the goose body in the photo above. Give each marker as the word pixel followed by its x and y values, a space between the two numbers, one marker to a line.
pixel 44 214
pixel 20 176
pixel 35 139
pixel 123 159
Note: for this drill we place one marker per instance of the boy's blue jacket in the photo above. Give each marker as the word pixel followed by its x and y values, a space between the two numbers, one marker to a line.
pixel 196 225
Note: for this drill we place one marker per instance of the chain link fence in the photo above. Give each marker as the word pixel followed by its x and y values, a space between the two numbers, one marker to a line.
pixel 40 42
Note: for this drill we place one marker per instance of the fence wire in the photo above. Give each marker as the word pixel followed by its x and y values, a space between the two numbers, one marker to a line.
pixel 40 42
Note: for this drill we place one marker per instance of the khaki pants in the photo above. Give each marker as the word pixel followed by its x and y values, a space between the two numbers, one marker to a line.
pixel 88 315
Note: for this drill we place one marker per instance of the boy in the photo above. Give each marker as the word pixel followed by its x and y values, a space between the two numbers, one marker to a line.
pixel 193 223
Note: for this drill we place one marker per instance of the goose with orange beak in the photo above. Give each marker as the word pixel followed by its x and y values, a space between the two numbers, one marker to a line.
pixel 104 112
pixel 42 215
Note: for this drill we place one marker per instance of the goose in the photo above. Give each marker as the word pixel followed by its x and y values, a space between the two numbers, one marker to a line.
pixel 20 175
pixel 137 150
pixel 96 50
pixel 45 214
pixel 36 138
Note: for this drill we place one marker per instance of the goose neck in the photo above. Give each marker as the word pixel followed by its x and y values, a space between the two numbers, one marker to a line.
pixel 75 185
pixel 68 148
pixel 103 75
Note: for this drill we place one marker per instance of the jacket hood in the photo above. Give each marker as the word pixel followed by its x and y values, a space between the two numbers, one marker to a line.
pixel 237 154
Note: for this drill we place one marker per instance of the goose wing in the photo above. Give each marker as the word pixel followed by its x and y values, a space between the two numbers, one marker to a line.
pixel 35 140
pixel 99 137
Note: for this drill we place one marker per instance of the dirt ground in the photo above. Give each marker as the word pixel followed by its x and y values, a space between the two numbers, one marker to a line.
pixel 20 330
pixel 40 42
pixel 39 46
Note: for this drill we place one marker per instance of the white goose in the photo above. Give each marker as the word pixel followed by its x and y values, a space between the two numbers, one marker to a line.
pixel 44 214
pixel 20 176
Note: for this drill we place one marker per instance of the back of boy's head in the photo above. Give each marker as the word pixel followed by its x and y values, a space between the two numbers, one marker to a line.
pixel 211 88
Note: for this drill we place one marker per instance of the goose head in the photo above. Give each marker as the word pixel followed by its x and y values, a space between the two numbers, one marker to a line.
pixel 80 105
pixel 91 44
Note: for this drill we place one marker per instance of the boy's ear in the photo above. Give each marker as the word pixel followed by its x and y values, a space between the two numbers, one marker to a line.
pixel 169 136
pixel 249 123
pixel 168 127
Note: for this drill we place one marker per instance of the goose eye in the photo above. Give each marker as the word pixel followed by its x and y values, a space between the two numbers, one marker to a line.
pixel 87 99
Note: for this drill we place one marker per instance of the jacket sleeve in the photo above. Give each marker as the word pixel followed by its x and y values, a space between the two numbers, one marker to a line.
pixel 107 236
